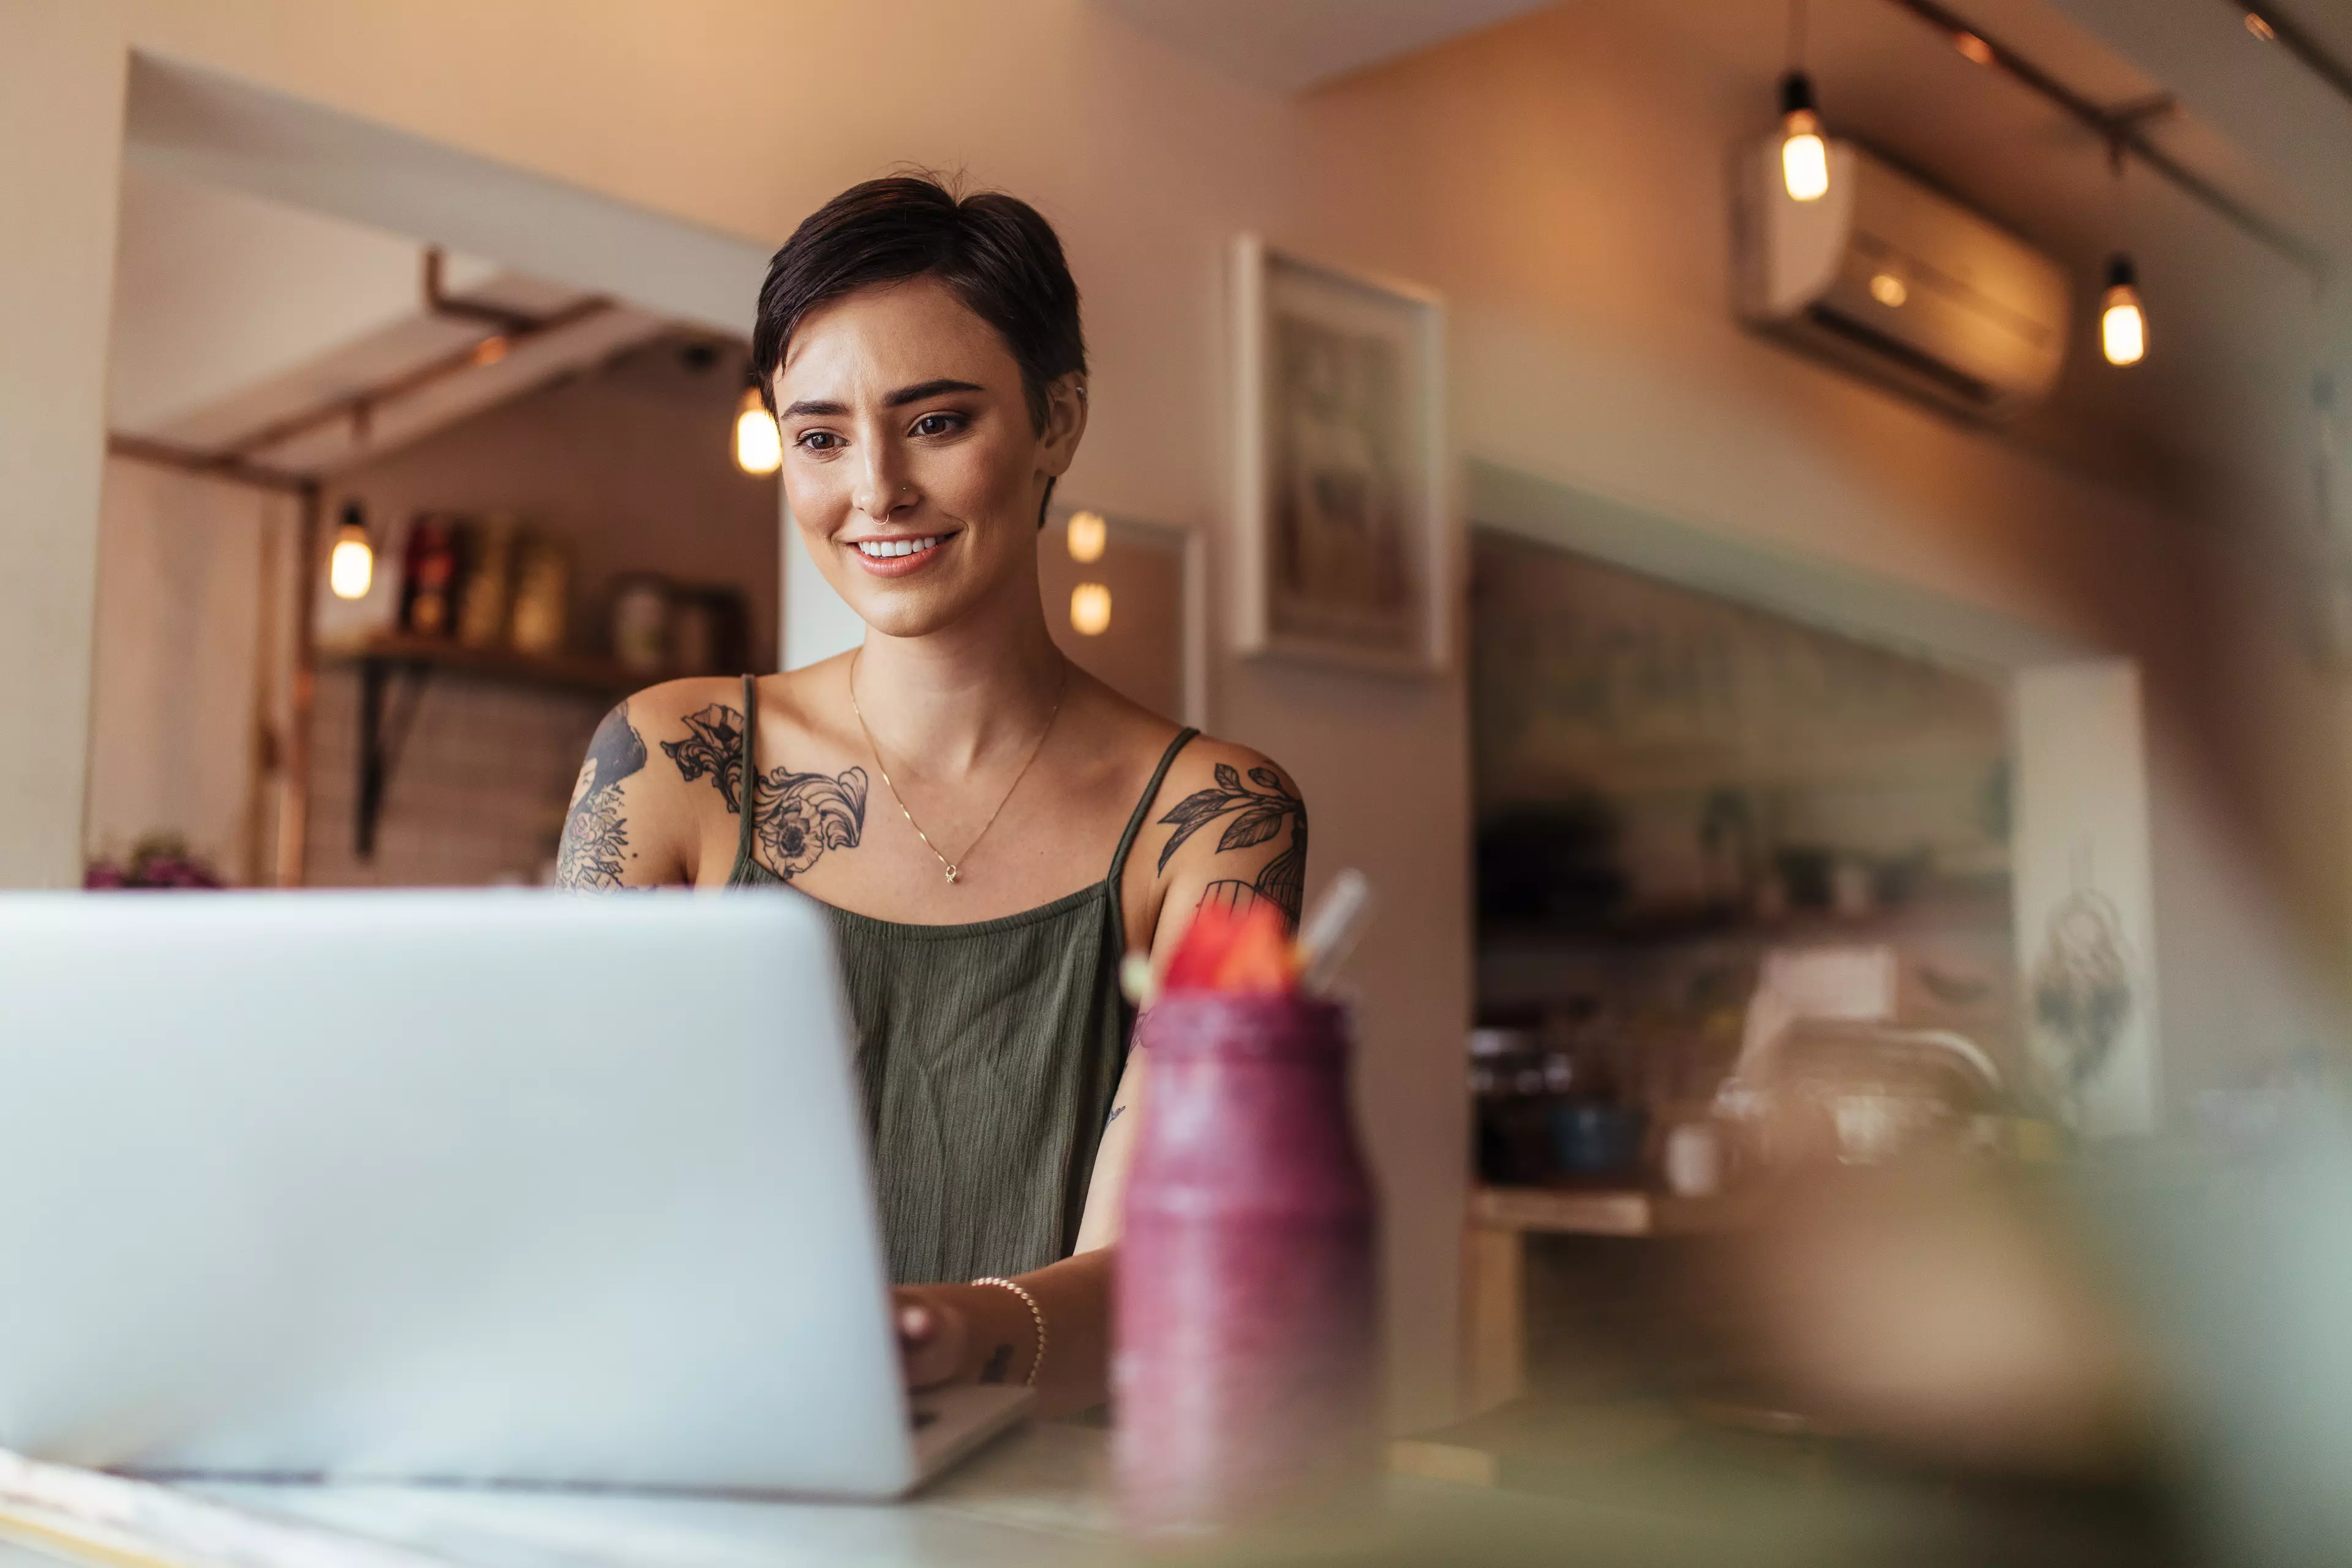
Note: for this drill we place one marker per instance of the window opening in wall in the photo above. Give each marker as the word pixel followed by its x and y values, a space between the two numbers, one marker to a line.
pixel 1743 903
pixel 1700 823
pixel 545 483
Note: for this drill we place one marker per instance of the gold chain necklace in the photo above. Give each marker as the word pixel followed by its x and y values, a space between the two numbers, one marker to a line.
pixel 954 868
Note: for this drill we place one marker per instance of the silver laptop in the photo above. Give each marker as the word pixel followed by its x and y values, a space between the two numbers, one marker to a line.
pixel 514 1186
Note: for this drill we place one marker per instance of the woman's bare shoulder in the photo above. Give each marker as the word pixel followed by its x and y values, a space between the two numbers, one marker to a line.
pixel 1135 735
pixel 629 824
pixel 666 706
pixel 710 707
pixel 1229 826
pixel 1235 774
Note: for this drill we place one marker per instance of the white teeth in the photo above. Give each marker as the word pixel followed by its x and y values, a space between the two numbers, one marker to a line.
pixel 882 549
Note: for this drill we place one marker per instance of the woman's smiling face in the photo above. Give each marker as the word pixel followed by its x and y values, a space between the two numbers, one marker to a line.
pixel 913 467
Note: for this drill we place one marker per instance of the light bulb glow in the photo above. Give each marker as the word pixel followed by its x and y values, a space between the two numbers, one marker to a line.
pixel 1090 609
pixel 2123 326
pixel 350 567
pixel 1805 157
pixel 1088 535
pixel 1888 289
pixel 759 445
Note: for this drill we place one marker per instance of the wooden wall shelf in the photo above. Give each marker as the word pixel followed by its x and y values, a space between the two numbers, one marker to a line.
pixel 382 733
pixel 1601 1211
pixel 576 672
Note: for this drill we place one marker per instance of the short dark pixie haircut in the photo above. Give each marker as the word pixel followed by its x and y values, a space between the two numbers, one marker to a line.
pixel 1001 259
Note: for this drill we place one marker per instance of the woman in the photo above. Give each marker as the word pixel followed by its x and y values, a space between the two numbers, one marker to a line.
pixel 991 828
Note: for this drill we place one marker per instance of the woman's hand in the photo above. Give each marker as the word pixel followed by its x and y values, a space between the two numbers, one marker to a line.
pixel 933 1332
pixel 985 1334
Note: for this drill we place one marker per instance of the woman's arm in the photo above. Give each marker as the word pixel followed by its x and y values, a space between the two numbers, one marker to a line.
pixel 985 1334
pixel 1235 836
pixel 1234 831
pixel 630 823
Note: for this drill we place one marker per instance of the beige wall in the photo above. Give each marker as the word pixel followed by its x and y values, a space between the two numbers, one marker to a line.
pixel 1559 178
pixel 61 73
pixel 191 636
pixel 1142 652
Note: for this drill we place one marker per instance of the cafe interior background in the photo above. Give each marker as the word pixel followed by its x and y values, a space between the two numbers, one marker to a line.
pixel 1743 647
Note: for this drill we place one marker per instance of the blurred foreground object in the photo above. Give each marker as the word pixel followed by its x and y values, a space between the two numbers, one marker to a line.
pixel 1246 1362
pixel 1222 951
pixel 1954 1311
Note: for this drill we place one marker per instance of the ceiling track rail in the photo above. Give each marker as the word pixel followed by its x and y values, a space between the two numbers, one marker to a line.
pixel 358 409
pixel 210 465
pixel 237 462
pixel 2120 127
pixel 2292 37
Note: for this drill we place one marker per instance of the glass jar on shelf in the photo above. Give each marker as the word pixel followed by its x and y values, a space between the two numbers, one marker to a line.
pixel 1509 1096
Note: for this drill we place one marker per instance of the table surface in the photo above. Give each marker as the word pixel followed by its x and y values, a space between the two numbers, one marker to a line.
pixel 1040 1495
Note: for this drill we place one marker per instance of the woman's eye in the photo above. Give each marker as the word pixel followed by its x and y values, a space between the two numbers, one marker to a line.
pixel 817 441
pixel 937 424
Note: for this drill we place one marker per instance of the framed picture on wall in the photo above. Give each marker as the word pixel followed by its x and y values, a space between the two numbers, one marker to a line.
pixel 1342 494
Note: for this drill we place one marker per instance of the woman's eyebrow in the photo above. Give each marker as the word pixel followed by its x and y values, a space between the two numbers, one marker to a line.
pixel 826 408
pixel 921 390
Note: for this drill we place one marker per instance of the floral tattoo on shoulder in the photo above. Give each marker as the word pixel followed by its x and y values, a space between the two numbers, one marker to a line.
pixel 1258 807
pixel 796 817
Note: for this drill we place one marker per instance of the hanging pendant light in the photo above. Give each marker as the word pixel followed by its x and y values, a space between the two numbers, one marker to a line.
pixel 351 566
pixel 1804 155
pixel 759 445
pixel 2123 322
pixel 1090 609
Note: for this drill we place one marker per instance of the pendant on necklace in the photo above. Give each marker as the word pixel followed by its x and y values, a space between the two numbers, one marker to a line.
pixel 952 873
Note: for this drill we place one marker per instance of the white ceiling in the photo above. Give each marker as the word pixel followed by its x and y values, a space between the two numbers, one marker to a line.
pixel 254 280
pixel 2282 118
pixel 1290 45
pixel 199 126
pixel 232 313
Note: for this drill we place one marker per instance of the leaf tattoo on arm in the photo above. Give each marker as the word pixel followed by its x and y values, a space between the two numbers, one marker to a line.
pixel 1258 806
pixel 595 831
pixel 796 817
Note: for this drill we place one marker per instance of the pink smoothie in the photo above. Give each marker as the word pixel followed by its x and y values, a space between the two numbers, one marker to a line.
pixel 1245 1367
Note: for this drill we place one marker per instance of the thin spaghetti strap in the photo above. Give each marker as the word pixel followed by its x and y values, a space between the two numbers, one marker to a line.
pixel 749 774
pixel 1143 807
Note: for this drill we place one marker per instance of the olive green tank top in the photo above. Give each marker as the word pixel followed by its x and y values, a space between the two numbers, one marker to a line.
pixel 988 1053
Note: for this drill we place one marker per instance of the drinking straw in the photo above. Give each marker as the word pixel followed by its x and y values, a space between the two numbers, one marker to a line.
pixel 1332 926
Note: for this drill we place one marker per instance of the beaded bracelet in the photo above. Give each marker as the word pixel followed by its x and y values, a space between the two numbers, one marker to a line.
pixel 1036 1315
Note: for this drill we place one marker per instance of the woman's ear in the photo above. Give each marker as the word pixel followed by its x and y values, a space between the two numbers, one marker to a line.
pixel 1066 424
